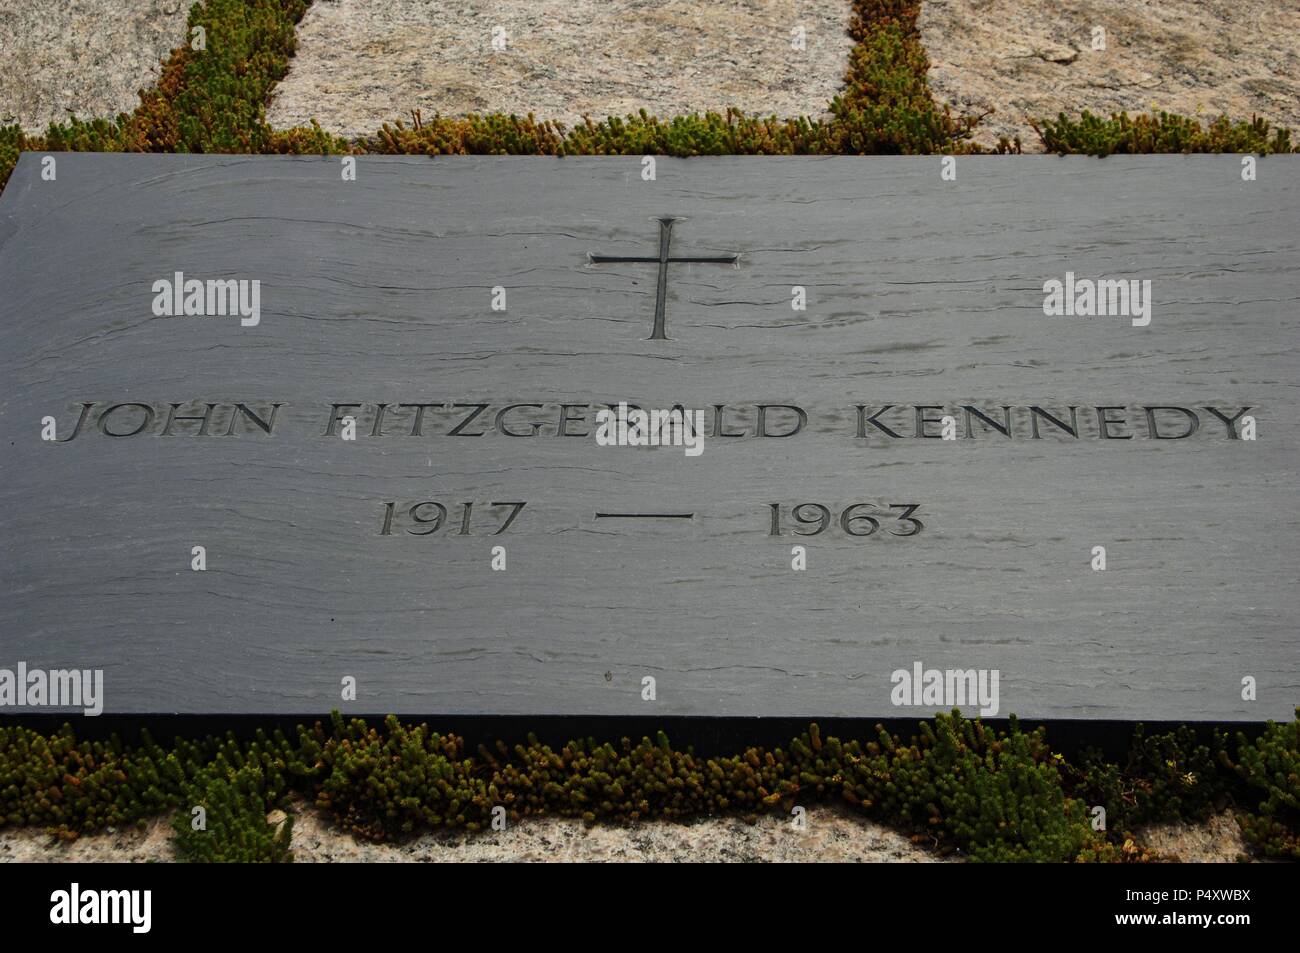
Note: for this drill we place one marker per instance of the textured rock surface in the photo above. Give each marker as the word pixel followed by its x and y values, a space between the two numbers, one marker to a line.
pixel 1035 59
pixel 360 64
pixel 86 58
pixel 1216 841
pixel 831 834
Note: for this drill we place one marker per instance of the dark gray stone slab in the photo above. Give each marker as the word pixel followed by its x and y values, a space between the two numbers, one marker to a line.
pixel 920 293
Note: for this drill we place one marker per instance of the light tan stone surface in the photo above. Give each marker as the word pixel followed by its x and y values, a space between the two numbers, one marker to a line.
pixel 1034 58
pixel 830 834
pixel 360 63
pixel 87 58
pixel 1217 841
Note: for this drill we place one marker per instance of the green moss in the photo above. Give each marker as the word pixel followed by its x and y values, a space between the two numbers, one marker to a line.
pixel 886 107
pixel 1166 777
pixel 998 796
pixel 1270 768
pixel 233 826
pixel 958 785
pixel 1159 132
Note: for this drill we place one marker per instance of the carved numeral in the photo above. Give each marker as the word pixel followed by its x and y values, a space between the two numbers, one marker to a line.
pixel 856 519
pixel 416 512
pixel 426 517
pixel 907 517
pixel 511 518
pixel 849 518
